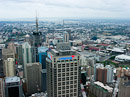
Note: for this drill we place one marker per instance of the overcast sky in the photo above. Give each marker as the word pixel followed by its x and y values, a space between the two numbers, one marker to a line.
pixel 65 8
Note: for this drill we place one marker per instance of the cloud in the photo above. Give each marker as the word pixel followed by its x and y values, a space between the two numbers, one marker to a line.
pixel 65 8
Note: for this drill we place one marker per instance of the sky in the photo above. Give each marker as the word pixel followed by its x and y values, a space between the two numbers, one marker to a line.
pixel 11 9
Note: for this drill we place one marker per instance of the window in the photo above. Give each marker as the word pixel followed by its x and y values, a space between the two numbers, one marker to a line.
pixel 63 70
pixel 63 79
pixel 67 83
pixel 67 78
pixel 63 65
pixel 59 79
pixel 59 65
pixel 63 83
pixel 63 87
pixel 63 74
pixel 59 75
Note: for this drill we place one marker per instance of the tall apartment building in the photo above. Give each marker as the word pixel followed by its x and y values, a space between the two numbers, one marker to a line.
pixel 2 89
pixel 110 73
pixel 33 78
pixel 63 72
pixel 9 67
pixel 13 87
pixel 101 75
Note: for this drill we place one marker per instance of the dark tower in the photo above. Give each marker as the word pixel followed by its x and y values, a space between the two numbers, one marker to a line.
pixel 37 39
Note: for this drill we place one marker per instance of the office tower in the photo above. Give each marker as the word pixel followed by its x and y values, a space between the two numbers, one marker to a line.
pixel 9 67
pixel 1 65
pixel 37 39
pixel 23 49
pixel 2 89
pixel 63 72
pixel 42 52
pixel 66 37
pixel 101 75
pixel 33 79
pixel 109 73
pixel 27 54
pixel 13 87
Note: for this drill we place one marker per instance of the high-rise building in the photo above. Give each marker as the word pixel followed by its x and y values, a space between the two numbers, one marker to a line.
pixel 2 89
pixel 110 73
pixel 37 39
pixel 7 53
pixel 33 78
pixel 66 37
pixel 42 52
pixel 13 87
pixel 63 72
pixel 101 75
pixel 26 48
pixel 9 67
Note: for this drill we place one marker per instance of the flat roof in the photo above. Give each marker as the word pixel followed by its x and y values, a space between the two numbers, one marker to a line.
pixel 42 49
pixel 12 79
pixel 110 89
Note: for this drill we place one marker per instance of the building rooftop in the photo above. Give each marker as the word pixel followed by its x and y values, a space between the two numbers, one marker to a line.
pixel 109 89
pixel 123 57
pixel 42 49
pixel 12 79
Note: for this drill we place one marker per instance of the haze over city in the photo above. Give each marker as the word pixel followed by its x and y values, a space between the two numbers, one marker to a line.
pixel 17 9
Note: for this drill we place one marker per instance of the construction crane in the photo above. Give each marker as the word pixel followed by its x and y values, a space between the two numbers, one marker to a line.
pixel 117 84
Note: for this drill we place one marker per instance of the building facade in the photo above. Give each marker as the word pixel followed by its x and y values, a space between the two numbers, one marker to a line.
pixel 9 67
pixel 42 52
pixel 13 87
pixel 63 72
pixel 33 78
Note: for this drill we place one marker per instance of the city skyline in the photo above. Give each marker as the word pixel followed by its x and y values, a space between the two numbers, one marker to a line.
pixel 19 9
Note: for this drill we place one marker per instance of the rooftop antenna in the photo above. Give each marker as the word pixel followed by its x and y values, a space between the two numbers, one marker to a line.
pixel 36 22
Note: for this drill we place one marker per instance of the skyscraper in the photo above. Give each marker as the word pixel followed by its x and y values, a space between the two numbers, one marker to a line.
pixel 63 72
pixel 9 67
pixel 42 52
pixel 27 55
pixel 13 87
pixel 37 39
pixel 33 77
pixel 66 37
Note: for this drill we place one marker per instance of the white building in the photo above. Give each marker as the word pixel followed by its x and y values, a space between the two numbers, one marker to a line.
pixel 63 72
pixel 109 73
pixel 9 67
pixel 27 55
